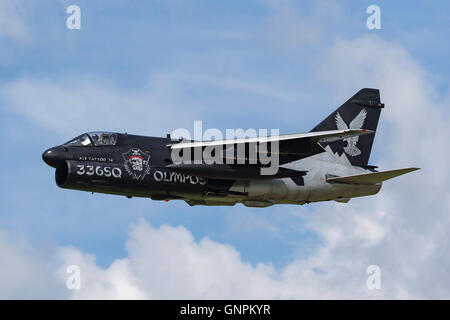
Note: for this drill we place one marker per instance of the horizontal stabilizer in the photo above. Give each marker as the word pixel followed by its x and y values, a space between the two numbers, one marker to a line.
pixel 372 177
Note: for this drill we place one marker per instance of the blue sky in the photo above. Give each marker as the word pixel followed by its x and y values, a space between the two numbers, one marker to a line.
pixel 153 66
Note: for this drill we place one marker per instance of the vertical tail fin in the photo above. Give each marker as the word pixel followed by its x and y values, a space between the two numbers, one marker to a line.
pixel 361 111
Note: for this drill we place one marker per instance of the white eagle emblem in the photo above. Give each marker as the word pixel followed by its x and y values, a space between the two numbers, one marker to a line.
pixel 356 123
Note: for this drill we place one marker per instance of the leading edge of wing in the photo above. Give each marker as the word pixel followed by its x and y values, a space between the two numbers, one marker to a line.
pixel 321 136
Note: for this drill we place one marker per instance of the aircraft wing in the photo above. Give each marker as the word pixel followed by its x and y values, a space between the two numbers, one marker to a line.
pixel 322 136
pixel 291 146
pixel 372 177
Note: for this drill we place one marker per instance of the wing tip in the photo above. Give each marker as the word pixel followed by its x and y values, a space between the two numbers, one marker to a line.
pixel 361 131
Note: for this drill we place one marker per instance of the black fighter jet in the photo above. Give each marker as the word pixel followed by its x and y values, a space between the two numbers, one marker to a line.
pixel 328 163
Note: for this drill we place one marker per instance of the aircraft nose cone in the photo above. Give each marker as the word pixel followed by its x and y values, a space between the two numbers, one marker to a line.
pixel 53 157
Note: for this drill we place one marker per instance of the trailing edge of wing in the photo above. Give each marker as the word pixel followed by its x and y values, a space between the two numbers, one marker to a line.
pixel 372 177
pixel 321 136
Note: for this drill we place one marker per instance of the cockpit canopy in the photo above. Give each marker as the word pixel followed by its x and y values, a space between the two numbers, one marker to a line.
pixel 96 138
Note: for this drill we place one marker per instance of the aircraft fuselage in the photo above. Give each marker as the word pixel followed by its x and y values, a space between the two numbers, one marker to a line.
pixel 108 169
pixel 330 162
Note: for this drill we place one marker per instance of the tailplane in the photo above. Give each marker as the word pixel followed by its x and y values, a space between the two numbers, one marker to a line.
pixel 372 177
pixel 362 111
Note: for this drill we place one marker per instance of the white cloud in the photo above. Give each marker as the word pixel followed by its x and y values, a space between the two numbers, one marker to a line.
pixel 290 29
pixel 402 226
pixel 78 104
pixel 12 25
pixel 167 263
pixel 75 104
pixel 26 273
pixel 116 282
pixel 242 85
pixel 404 229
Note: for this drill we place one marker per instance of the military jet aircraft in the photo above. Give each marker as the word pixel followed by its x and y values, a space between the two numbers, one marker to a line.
pixel 328 163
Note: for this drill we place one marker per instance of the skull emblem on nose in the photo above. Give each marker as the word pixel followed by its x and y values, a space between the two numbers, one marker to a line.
pixel 136 163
